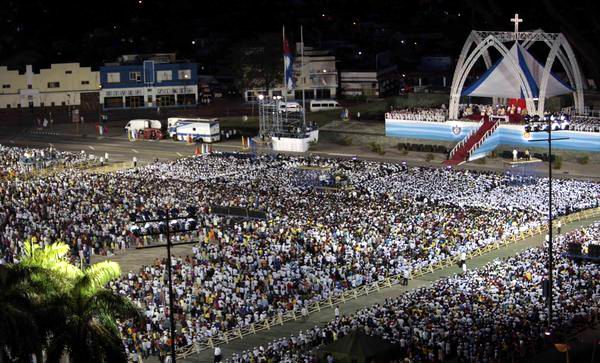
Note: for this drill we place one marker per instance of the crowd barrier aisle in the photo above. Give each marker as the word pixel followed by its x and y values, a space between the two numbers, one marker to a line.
pixel 340 298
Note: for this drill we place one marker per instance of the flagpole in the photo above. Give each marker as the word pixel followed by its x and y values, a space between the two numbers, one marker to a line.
pixel 284 80
pixel 285 86
pixel 303 80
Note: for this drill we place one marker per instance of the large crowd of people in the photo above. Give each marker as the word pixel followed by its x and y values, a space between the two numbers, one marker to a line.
pixel 494 314
pixel 313 244
pixel 585 123
pixel 426 114
pixel 16 161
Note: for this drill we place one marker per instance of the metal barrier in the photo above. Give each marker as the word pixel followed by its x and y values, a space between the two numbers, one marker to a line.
pixel 331 301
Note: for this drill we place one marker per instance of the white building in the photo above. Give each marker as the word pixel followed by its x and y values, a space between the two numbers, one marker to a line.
pixel 64 84
pixel 318 78
pixel 378 83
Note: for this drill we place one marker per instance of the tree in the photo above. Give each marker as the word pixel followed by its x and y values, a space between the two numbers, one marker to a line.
pixel 79 313
pixel 88 330
pixel 19 332
pixel 258 63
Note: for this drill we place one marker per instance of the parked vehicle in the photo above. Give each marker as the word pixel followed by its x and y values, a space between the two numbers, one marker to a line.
pixel 174 122
pixel 142 124
pixel 290 107
pixel 205 131
pixel 323 105
pixel 152 134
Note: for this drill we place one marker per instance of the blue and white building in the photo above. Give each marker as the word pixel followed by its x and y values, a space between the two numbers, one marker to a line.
pixel 151 83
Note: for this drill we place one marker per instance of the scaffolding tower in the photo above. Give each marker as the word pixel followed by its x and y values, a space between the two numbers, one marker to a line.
pixel 275 120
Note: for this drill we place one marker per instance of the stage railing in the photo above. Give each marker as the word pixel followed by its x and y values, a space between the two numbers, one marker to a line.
pixel 351 294
pixel 464 140
pixel 487 134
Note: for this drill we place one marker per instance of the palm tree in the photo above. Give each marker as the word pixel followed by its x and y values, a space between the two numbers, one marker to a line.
pixel 19 332
pixel 88 328
pixel 79 316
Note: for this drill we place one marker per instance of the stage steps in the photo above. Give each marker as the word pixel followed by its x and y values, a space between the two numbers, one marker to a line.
pixel 463 150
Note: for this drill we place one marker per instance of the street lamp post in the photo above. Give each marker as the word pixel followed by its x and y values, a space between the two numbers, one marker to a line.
pixel 165 221
pixel 549 281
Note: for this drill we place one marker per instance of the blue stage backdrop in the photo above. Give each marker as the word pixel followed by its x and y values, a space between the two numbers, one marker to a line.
pixel 505 135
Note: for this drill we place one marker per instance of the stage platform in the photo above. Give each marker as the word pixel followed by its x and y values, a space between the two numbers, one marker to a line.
pixel 522 162
pixel 513 136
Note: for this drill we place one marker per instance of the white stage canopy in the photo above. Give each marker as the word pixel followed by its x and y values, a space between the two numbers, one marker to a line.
pixel 501 80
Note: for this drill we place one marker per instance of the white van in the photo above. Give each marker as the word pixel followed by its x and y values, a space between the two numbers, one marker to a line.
pixel 323 105
pixel 290 107
pixel 142 124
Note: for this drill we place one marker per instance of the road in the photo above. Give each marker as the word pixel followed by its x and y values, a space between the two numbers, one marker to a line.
pixel 119 148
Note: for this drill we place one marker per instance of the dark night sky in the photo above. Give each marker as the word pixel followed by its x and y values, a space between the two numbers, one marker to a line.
pixel 92 32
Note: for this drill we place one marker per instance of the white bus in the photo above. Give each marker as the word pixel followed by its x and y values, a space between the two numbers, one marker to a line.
pixel 323 105
pixel 205 130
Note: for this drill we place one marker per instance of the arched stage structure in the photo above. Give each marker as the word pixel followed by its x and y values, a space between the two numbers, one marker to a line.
pixel 514 79
pixel 530 79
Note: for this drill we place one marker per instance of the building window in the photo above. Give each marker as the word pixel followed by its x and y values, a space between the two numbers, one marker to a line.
pixel 184 74
pixel 53 84
pixel 52 104
pixel 165 100
pixel 85 82
pixel 29 86
pixel 113 102
pixel 276 93
pixel 135 76
pixel 164 76
pixel 68 72
pixel 6 86
pixel 63 103
pixel 8 105
pixel 323 93
pixel 134 101
pixel 186 99
pixel 41 104
pixel 113 77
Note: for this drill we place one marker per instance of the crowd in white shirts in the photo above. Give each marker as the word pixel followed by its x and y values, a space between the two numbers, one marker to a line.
pixel 16 161
pixel 313 244
pixel 419 114
pixel 494 314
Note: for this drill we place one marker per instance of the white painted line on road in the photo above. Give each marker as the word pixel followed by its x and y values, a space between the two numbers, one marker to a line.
pixel 179 154
pixel 135 151
pixel 12 141
pixel 337 154
pixel 231 146
pixel 51 144
pixel 91 147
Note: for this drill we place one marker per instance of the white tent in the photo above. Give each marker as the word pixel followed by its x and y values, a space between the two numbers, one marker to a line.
pixel 501 80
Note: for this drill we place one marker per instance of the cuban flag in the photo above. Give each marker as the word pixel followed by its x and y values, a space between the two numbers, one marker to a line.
pixel 287 65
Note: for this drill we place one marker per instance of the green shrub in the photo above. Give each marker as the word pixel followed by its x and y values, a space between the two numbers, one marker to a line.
pixel 429 157
pixel 346 141
pixel 557 164
pixel 376 148
pixel 583 160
